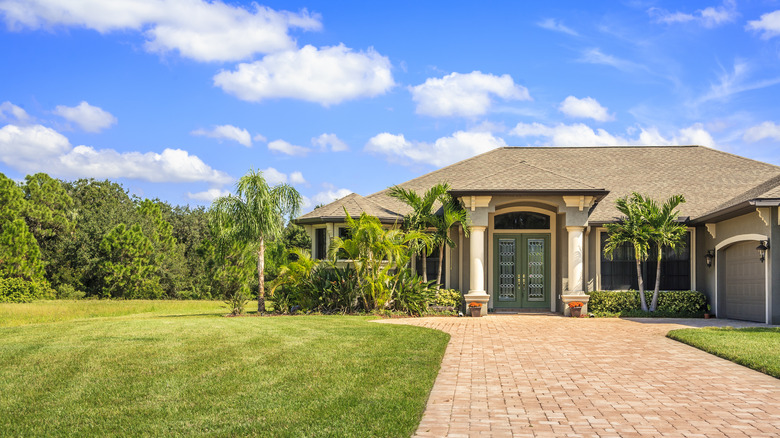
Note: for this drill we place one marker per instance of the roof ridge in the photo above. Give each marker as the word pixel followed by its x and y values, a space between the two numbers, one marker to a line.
pixel 564 176
pixel 627 146
pixel 737 156
pixel 761 188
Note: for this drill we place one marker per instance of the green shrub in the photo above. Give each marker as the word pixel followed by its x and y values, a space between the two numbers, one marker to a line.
pixel 68 292
pixel 411 294
pixel 448 297
pixel 626 303
pixel 237 301
pixel 18 290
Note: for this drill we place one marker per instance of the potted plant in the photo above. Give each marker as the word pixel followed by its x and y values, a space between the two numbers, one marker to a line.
pixel 707 314
pixel 475 309
pixel 575 307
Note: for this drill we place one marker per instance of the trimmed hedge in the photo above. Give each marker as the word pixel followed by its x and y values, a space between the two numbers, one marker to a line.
pixel 671 303
pixel 18 290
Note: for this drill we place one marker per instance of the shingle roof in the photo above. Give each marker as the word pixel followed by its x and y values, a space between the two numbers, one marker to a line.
pixel 354 205
pixel 708 178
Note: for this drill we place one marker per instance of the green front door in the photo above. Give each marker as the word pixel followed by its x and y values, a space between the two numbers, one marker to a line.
pixel 521 273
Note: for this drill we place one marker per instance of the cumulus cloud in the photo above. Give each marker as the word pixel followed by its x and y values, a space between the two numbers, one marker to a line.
pixel 11 112
pixel 287 148
pixel 762 131
pixel 326 76
pixel 329 195
pixel 768 25
pixel 466 95
pixel 208 195
pixel 579 134
pixel 37 148
pixel 197 29
pixel 556 26
pixel 274 177
pixel 260 137
pixel 443 151
pixel 584 108
pixel 709 17
pixel 227 132
pixel 87 117
pixel 329 141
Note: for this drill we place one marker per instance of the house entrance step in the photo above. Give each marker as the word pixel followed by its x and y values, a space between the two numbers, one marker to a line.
pixel 513 311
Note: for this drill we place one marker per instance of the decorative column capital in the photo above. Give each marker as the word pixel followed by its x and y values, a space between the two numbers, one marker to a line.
pixel 478 228
pixel 571 228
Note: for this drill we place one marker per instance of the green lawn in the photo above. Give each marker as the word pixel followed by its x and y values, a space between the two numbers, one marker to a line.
pixel 756 347
pixel 161 373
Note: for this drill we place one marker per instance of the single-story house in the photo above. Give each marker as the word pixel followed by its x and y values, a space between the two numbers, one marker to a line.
pixel 538 216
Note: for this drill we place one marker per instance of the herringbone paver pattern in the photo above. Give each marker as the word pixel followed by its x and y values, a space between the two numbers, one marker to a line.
pixel 537 375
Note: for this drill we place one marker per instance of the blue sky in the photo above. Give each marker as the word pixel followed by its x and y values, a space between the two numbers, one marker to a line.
pixel 177 99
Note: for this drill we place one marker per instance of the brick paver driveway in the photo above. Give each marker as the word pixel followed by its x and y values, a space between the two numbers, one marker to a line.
pixel 544 375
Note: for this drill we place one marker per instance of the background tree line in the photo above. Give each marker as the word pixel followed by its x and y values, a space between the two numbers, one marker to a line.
pixel 92 238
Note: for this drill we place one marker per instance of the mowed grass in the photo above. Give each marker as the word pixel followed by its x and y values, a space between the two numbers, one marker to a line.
pixel 156 375
pixel 16 314
pixel 755 347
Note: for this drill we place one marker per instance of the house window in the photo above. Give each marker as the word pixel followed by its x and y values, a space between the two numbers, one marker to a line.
pixel 522 220
pixel 320 242
pixel 431 265
pixel 620 272
pixel 344 233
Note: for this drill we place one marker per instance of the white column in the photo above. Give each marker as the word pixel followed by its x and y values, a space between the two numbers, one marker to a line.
pixel 575 259
pixel 477 251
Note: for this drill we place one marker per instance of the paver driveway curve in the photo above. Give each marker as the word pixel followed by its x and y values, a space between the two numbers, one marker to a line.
pixel 545 375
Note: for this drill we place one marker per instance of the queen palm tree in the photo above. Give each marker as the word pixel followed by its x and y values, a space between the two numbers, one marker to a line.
pixel 452 213
pixel 254 215
pixel 666 232
pixel 633 228
pixel 421 217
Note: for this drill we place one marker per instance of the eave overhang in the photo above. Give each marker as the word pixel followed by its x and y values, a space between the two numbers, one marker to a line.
pixel 736 210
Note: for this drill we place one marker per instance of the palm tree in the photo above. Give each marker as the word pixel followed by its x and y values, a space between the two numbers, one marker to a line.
pixel 255 214
pixel 632 228
pixel 452 213
pixel 666 232
pixel 422 215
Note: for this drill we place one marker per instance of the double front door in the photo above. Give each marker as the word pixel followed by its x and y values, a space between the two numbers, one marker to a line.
pixel 521 277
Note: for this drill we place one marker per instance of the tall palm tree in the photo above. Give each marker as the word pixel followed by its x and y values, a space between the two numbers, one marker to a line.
pixel 666 232
pixel 422 215
pixel 452 213
pixel 632 228
pixel 255 214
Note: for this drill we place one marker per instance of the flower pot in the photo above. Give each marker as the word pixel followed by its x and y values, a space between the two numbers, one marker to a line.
pixel 576 312
pixel 707 316
pixel 476 311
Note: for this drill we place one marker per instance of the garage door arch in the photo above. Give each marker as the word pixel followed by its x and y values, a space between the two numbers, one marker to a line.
pixel 742 279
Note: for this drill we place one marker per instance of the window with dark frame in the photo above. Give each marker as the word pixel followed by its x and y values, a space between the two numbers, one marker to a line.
pixel 620 272
pixel 521 220
pixel 431 265
pixel 319 244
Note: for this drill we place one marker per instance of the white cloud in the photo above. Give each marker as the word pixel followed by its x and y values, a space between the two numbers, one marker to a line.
pixel 329 195
pixel 444 151
pixel 709 17
pixel 557 26
pixel 208 195
pixel 297 178
pixel 768 25
pixel 287 148
pixel 227 132
pixel 274 177
pixel 326 76
pixel 466 95
pixel 197 29
pixel 331 141
pixel 596 56
pixel 260 137
pixel 89 118
pixel 37 148
pixel 583 135
pixel 762 131
pixel 584 108
pixel 9 111
pixel 735 82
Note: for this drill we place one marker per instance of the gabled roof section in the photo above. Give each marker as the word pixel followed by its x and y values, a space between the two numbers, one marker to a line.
pixel 766 193
pixel 354 205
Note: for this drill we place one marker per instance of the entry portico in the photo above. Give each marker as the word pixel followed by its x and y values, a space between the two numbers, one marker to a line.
pixel 538 218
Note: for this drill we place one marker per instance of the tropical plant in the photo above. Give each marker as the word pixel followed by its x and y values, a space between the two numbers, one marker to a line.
pixel 452 214
pixel 666 231
pixel 255 214
pixel 411 294
pixel 633 229
pixel 421 216
pixel 127 267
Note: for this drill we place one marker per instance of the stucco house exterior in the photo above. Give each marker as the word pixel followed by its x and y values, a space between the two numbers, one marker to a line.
pixel 538 216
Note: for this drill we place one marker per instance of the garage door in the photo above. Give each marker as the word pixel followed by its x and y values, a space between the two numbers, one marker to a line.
pixel 744 293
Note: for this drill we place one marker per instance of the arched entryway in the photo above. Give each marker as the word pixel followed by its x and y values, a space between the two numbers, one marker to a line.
pixel 741 280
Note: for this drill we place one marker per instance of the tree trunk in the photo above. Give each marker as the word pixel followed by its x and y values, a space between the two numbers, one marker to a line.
pixel 641 284
pixel 261 277
pixel 438 275
pixel 425 266
pixel 654 303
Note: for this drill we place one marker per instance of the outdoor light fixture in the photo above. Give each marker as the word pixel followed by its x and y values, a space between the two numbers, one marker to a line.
pixel 762 247
pixel 709 257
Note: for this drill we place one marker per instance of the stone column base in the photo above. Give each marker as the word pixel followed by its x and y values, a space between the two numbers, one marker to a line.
pixel 478 296
pixel 575 296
